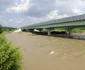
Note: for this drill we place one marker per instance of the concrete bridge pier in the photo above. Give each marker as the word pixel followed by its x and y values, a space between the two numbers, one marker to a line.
pixel 48 31
pixel 70 32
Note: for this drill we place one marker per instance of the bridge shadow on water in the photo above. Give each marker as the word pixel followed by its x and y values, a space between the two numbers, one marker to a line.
pixel 61 35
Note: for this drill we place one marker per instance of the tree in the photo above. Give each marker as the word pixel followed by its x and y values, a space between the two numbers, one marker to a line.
pixel 1 29
pixel 10 56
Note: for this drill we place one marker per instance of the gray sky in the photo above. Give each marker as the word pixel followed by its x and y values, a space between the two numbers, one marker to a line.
pixel 18 13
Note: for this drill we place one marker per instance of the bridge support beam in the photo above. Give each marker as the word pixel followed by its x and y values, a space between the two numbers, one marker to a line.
pixel 48 31
pixel 70 32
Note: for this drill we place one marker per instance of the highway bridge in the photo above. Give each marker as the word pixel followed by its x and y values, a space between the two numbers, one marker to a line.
pixel 69 23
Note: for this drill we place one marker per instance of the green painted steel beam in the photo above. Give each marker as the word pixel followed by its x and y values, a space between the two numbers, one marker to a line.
pixel 59 25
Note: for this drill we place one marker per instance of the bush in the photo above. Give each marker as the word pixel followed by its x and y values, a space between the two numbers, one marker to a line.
pixel 1 29
pixel 10 57
pixel 77 31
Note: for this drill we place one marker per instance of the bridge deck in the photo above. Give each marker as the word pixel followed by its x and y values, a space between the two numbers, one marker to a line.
pixel 70 24
pixel 74 21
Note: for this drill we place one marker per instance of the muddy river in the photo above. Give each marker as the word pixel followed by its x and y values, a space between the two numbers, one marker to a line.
pixel 49 53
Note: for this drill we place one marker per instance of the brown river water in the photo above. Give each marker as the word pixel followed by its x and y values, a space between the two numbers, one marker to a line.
pixel 49 53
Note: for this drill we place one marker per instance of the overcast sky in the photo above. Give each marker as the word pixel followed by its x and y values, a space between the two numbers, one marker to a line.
pixel 18 13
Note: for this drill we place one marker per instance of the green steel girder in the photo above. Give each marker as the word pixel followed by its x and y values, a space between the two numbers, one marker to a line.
pixel 59 25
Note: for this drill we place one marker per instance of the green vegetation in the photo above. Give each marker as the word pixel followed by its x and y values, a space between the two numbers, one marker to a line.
pixel 78 30
pixel 10 56
pixel 8 29
pixel 1 29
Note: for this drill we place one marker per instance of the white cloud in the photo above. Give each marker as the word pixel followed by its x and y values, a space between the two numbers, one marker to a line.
pixel 38 10
pixel 77 11
pixel 18 8
pixel 1 16
pixel 71 7
pixel 54 15
pixel 51 16
pixel 11 20
pixel 5 22
pixel 19 21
